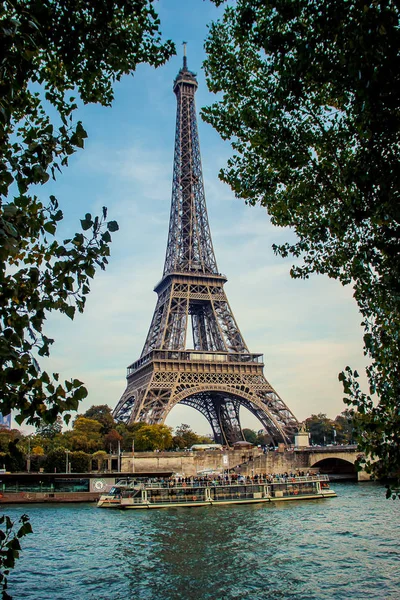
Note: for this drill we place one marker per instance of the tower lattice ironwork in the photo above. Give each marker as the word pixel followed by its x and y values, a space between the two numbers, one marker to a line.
pixel 219 374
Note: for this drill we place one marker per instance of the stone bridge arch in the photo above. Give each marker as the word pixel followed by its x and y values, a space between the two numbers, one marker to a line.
pixel 341 464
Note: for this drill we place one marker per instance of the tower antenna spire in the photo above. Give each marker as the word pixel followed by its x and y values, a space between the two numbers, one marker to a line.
pixel 184 55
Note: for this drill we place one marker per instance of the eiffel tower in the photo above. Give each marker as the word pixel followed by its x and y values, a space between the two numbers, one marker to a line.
pixel 219 374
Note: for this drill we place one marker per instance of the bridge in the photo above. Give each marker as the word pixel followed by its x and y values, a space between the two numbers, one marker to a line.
pixel 339 462
pixel 335 461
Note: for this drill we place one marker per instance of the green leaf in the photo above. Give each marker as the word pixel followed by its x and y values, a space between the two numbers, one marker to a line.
pixel 50 227
pixel 112 226
pixel 70 311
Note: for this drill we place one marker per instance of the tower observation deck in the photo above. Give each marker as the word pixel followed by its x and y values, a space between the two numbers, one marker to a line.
pixel 218 374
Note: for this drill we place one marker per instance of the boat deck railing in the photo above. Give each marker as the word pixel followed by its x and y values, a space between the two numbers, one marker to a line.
pixel 223 482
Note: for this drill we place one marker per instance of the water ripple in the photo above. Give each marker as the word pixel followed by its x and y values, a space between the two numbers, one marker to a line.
pixel 345 547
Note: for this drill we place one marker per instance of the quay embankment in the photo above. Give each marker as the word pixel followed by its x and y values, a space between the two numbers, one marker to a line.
pixel 50 488
pixel 330 460
pixel 48 498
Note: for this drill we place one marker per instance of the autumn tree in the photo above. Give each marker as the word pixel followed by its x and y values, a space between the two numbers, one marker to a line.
pixel 153 437
pixel 85 435
pixel 103 414
pixel 310 97
pixel 37 451
pixel 112 439
pixel 185 437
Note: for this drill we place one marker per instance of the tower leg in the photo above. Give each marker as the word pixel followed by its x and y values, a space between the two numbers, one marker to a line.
pixel 222 413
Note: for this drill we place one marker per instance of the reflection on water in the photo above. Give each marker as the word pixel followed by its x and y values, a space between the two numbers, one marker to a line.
pixel 345 547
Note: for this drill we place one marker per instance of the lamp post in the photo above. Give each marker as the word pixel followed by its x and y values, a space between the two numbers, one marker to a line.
pixel 225 462
pixel 133 455
pixel 66 460
pixel 28 460
pixel 119 456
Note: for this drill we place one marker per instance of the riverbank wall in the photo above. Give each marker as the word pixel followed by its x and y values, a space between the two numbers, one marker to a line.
pixel 190 464
pixel 48 498
pixel 338 460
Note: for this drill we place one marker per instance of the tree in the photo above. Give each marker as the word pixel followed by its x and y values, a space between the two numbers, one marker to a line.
pixel 13 459
pixel 185 437
pixel 310 99
pixel 55 461
pixel 85 435
pixel 153 437
pixel 7 436
pixel 49 430
pixel 320 429
pixel 12 449
pixel 127 435
pixel 101 413
pixel 205 439
pixel 100 456
pixel 250 436
pixel 38 451
pixel 345 427
pixel 263 438
pixel 111 439
pixel 55 55
pixel 80 462
pixel 10 547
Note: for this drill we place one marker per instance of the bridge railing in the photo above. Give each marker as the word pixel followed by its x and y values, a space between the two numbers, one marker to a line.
pixel 328 449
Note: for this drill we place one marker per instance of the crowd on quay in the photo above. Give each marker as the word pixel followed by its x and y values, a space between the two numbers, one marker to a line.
pixel 230 478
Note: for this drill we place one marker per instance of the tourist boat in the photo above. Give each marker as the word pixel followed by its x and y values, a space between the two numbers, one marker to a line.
pixel 165 493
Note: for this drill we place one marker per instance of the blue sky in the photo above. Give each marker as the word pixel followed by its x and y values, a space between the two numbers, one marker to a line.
pixel 307 331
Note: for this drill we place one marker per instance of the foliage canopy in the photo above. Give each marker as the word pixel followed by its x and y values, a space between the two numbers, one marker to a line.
pixel 54 55
pixel 103 414
pixel 185 437
pixel 311 104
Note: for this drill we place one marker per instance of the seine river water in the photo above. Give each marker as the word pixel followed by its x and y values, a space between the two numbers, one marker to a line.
pixel 342 548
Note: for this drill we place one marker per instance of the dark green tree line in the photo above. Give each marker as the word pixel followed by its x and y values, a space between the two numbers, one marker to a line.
pixel 310 101
pixel 55 55
pixel 88 439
